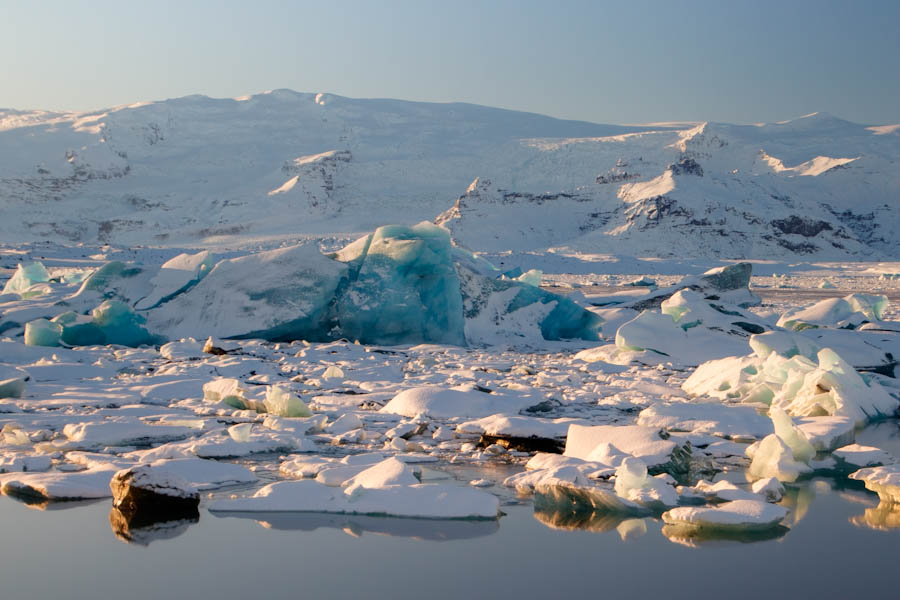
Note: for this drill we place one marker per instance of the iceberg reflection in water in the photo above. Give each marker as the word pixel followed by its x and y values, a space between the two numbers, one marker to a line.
pixel 435 530
pixel 883 517
pixel 133 529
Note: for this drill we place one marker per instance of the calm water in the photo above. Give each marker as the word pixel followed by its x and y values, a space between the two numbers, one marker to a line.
pixel 841 544
pixel 833 551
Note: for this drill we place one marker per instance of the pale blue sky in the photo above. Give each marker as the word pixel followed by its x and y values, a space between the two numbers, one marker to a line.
pixel 613 62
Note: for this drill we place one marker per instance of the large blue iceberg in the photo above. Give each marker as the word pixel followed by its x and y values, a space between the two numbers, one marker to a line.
pixel 398 285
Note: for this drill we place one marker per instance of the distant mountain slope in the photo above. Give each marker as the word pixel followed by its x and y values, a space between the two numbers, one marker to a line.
pixel 816 187
pixel 199 171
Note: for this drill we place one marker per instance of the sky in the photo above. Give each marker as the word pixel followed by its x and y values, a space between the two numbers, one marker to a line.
pixel 630 61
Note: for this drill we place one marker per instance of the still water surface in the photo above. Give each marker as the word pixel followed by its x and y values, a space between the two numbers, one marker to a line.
pixel 841 544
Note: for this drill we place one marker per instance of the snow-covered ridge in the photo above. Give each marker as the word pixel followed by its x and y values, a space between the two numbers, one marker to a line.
pixel 198 171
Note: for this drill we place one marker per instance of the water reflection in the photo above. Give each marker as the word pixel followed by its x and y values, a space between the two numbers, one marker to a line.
pixel 883 517
pixel 574 518
pixel 798 498
pixel 356 525
pixel 694 537
pixel 136 529
pixel 37 502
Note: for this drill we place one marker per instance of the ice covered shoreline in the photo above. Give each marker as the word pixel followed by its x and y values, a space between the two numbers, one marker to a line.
pixel 324 413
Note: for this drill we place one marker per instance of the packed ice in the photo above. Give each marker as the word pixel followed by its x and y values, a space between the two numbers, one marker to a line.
pixel 401 375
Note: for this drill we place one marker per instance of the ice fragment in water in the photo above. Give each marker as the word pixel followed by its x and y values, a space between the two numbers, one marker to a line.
pixel 739 515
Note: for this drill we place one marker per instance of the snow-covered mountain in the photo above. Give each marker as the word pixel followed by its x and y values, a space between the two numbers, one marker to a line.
pixel 198 171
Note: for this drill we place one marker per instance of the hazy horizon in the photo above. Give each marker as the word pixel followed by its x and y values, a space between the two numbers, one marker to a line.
pixel 589 61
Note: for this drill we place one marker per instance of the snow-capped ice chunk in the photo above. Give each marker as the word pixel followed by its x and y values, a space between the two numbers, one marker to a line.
pixel 721 420
pixel 17 462
pixel 92 483
pixel 728 284
pixel 740 515
pixel 206 474
pixel 281 402
pixel 634 484
pixel 827 433
pixel 864 456
pixel 663 340
pixel 848 312
pixel 446 403
pixel 346 422
pixel 508 426
pixel 724 490
pixel 185 348
pixel 277 294
pixel 798 385
pixel 97 434
pixel 546 469
pixel 885 481
pixel 835 388
pixel 429 501
pixel 153 480
pixel 638 441
pixel 390 471
pixel 650 331
pixel 176 276
pixel 690 309
pixel 785 344
pixel 504 311
pixel 25 277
